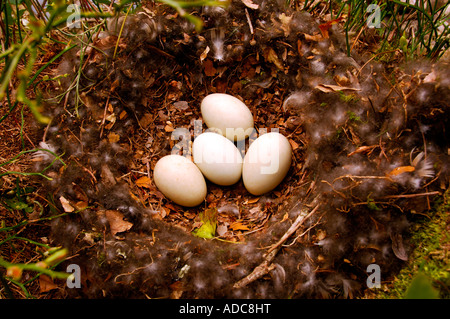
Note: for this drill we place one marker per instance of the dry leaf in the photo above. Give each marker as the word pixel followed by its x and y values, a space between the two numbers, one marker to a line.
pixel 362 149
pixel 113 137
pixel 181 105
pixel 272 57
pixel 164 212
pixel 329 88
pixel 327 25
pixel 46 283
pixel 341 80
pixel 221 230
pixel 144 181
pixel 431 77
pixel 299 47
pixel 238 226
pixel 146 120
pixel 177 290
pixel 400 170
pixel 285 23
pixel 204 54
pixel 209 68
pixel 116 222
pixel 66 205
pixel 81 205
pixel 123 115
pixel 250 4
pixel 253 200
pixel 397 246
pixel 316 38
pixel 294 145
pixel 169 128
pixel 107 176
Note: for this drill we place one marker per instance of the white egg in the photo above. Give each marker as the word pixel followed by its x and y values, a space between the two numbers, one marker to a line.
pixel 266 163
pixel 227 115
pixel 180 180
pixel 218 158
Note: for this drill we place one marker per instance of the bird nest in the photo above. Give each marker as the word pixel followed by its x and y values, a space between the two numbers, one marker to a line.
pixel 370 150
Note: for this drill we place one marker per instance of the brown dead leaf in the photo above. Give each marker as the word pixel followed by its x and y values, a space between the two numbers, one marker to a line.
pixel 253 200
pixel 329 88
pixel 294 145
pixel 66 205
pixel 397 246
pixel 315 38
pixel 341 80
pixel 181 105
pixel 285 23
pixel 144 181
pixel 106 42
pixel 177 289
pixel 271 56
pixel 204 54
pixel 164 212
pixel 299 47
pixel 221 230
pixel 362 149
pixel 113 137
pixel 209 68
pixel 46 283
pixel 116 222
pixel 123 115
pixel 169 128
pixel 81 205
pixel 250 4
pixel 146 120
pixel 114 85
pixel 400 170
pixel 325 27
pixel 238 226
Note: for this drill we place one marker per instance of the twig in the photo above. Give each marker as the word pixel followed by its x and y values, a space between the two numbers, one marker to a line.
pixel 298 222
pixel 249 21
pixel 305 232
pixel 412 195
pixel 266 266
pixel 368 61
pixel 259 271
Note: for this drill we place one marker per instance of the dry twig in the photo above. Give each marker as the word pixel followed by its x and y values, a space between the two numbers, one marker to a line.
pixel 266 266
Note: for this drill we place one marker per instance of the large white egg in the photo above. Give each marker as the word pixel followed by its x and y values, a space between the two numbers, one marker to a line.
pixel 227 115
pixel 266 163
pixel 180 180
pixel 218 158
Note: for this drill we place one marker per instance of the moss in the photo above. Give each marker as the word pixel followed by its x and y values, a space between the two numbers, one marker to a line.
pixel 348 98
pixel 353 117
pixel 431 257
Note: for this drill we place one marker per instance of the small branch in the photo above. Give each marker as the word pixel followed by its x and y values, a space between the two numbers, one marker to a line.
pixel 249 21
pixel 412 195
pixel 266 266
pixel 296 225
pixel 259 271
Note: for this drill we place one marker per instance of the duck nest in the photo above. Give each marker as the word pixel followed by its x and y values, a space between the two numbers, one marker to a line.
pixel 370 151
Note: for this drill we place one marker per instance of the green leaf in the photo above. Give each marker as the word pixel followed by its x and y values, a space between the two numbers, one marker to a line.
pixel 16 204
pixel 421 288
pixel 208 228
